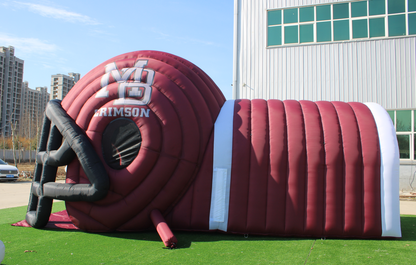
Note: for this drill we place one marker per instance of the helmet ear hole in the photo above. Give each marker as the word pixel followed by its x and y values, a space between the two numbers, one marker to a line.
pixel 121 143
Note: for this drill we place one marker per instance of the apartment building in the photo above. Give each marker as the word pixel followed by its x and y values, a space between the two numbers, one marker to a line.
pixel 11 79
pixel 61 84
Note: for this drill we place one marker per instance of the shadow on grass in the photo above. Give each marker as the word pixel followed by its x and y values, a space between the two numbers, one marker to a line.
pixel 408 223
pixel 185 238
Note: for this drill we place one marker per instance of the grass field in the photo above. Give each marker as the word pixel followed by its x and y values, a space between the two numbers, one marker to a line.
pixel 33 246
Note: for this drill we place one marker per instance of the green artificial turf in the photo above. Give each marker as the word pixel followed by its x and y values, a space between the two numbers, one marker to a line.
pixel 34 246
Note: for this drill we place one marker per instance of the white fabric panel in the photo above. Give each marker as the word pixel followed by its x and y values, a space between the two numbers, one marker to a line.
pixel 390 164
pixel 221 178
pixel 219 193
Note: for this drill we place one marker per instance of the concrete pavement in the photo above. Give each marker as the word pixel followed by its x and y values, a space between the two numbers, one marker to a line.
pixel 13 194
pixel 408 207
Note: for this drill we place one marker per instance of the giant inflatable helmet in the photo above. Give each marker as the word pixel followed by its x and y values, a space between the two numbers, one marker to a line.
pixel 148 131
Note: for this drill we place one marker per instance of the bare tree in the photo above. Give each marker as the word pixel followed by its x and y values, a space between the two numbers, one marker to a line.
pixel 13 130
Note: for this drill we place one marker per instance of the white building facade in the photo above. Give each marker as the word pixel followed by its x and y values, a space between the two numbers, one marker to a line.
pixel 336 50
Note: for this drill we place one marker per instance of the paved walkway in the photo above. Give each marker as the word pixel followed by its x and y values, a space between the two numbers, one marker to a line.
pixel 14 194
pixel 408 207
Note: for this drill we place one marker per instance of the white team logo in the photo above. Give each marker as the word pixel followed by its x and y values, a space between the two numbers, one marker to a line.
pixel 132 90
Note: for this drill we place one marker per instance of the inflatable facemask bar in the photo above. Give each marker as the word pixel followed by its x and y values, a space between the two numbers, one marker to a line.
pixel 44 189
pixel 148 136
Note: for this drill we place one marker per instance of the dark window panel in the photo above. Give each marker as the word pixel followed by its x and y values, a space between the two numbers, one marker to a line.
pixel 412 5
pixel 306 14
pixel 323 12
pixel 396 6
pixel 290 15
pixel 377 28
pixel 306 33
pixel 359 9
pixel 377 7
pixel 291 34
pixel 359 29
pixel 274 36
pixel 414 146
pixel 341 30
pixel 404 146
pixel 274 17
pixel 412 24
pixel 414 121
pixel 403 120
pixel 323 31
pixel 397 25
pixel 341 11
pixel 391 113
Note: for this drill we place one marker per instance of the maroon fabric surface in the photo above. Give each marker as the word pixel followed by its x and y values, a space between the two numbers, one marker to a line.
pixel 56 220
pixel 240 172
pixel 315 161
pixel 371 170
pixel 353 163
pixel 334 170
pixel 183 107
pixel 299 168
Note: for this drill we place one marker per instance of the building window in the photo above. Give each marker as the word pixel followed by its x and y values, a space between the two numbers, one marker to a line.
pixel 355 20
pixel 359 28
pixel 405 124
pixel 274 30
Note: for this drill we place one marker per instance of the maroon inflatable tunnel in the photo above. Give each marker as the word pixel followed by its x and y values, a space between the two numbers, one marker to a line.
pixel 151 137
pixel 175 127
pixel 296 168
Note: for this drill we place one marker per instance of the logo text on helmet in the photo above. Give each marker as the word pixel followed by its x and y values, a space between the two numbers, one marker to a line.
pixel 134 83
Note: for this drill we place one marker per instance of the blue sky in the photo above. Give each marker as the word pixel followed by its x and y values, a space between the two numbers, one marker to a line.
pixel 58 37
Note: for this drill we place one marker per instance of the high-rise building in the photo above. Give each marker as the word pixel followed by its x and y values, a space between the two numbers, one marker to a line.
pixel 75 76
pixel 11 76
pixel 61 84
pixel 34 103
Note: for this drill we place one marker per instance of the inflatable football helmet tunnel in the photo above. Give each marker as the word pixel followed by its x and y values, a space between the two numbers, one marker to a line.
pixel 149 136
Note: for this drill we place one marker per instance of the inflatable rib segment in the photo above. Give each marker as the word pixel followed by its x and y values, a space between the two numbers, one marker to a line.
pixel 302 168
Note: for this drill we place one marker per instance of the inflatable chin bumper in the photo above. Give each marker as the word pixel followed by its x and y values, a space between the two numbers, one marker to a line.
pixel 149 136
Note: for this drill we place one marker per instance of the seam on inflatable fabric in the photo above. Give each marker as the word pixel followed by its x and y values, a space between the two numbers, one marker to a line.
pixel 343 168
pixel 250 149
pixel 324 187
pixel 269 167
pixel 221 176
pixel 389 172
pixel 287 165
pixel 362 171
pixel 305 188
